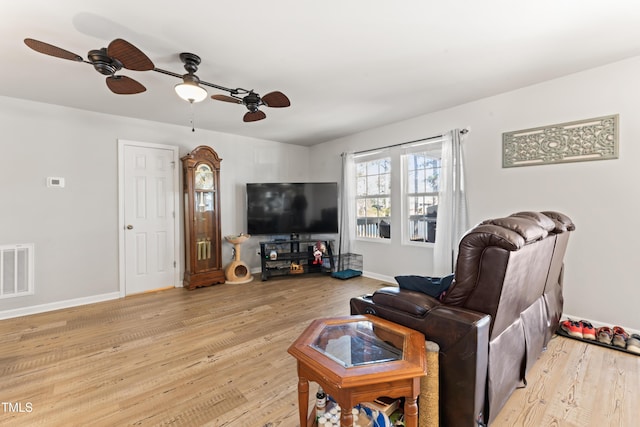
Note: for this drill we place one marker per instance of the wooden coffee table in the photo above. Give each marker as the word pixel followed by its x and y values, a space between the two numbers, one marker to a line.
pixel 357 359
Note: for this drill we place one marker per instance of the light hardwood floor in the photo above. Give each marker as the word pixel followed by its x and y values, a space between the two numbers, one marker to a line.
pixel 218 356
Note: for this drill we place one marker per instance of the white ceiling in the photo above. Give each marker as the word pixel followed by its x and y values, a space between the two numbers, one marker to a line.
pixel 346 65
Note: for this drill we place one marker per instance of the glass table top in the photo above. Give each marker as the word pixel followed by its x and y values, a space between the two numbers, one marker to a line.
pixel 359 343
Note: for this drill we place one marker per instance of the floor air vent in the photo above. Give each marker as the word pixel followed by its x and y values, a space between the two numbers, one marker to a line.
pixel 16 270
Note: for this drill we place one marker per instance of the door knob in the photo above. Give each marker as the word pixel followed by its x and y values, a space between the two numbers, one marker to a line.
pixel 129 227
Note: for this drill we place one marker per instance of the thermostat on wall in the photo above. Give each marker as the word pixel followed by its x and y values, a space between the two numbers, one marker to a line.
pixel 54 181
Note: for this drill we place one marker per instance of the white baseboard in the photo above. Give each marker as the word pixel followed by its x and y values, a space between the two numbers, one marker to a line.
pixel 597 324
pixel 388 279
pixel 42 308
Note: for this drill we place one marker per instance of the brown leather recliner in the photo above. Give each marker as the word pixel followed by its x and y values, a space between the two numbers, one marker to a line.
pixel 496 318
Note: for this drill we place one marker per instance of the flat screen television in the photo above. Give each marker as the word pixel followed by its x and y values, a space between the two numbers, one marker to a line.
pixel 285 208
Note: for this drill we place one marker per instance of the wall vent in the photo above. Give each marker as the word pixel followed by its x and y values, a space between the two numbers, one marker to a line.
pixel 16 270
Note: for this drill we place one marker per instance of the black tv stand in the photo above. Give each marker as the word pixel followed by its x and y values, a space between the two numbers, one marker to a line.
pixel 293 257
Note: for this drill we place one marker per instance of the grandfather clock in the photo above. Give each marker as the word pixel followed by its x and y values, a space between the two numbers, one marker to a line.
pixel 202 218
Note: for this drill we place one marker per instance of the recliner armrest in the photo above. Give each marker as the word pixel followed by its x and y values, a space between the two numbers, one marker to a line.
pixel 412 302
pixel 463 337
pixel 443 324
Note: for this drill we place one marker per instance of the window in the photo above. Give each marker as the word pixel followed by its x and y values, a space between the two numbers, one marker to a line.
pixel 373 197
pixel 422 183
pixel 406 177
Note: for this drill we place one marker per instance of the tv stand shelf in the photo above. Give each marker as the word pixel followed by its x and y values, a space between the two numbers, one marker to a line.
pixel 297 252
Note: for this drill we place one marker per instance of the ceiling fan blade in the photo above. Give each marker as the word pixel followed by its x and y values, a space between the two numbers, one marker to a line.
pixel 49 49
pixel 123 85
pixel 276 99
pixel 131 57
pixel 226 98
pixel 254 117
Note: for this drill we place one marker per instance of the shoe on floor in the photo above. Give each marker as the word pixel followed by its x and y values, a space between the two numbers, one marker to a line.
pixel 588 331
pixel 633 343
pixel 604 334
pixel 620 337
pixel 572 328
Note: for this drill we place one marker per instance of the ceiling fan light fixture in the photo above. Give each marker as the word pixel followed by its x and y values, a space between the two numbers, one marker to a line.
pixel 190 90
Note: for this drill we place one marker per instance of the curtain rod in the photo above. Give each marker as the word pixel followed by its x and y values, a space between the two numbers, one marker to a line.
pixel 462 131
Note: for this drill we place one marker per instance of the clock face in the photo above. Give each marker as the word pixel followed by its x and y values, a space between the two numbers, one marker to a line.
pixel 204 178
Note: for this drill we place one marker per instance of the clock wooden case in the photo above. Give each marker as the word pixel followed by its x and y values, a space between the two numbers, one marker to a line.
pixel 203 238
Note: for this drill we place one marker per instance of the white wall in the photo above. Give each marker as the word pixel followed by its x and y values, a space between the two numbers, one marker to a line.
pixel 600 196
pixel 75 228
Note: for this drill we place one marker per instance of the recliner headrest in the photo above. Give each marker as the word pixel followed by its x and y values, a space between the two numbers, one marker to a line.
pixel 526 227
pixel 563 223
pixel 541 219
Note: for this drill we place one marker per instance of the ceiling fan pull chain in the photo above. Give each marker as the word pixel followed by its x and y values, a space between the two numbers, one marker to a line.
pixel 193 128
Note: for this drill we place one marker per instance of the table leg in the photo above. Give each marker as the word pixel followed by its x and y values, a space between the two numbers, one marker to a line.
pixel 410 412
pixel 303 400
pixel 346 419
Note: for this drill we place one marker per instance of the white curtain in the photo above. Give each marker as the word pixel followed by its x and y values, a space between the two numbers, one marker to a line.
pixel 347 208
pixel 453 220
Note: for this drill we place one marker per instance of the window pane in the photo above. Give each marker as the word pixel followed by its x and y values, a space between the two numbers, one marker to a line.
pixel 361 186
pixel 361 210
pixel 421 181
pixel 385 184
pixel 412 184
pixel 411 162
pixel 373 168
pixel 414 205
pixel 433 181
pixel 385 206
pixel 373 208
pixel 372 185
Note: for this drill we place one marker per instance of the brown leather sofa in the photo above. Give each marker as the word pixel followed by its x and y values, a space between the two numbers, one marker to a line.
pixel 497 316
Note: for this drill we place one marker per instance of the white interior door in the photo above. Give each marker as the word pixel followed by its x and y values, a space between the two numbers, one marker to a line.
pixel 148 217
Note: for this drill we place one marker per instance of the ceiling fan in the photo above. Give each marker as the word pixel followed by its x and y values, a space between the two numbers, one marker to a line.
pixel 190 91
pixel 122 54
pixel 107 61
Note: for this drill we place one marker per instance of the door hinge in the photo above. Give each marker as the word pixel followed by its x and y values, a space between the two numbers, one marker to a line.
pixel 174 264
pixel 173 165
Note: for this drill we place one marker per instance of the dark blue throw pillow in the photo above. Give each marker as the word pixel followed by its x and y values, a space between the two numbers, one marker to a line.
pixel 432 286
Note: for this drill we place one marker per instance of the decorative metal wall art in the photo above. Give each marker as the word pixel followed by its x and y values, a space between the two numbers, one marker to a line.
pixel 591 139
